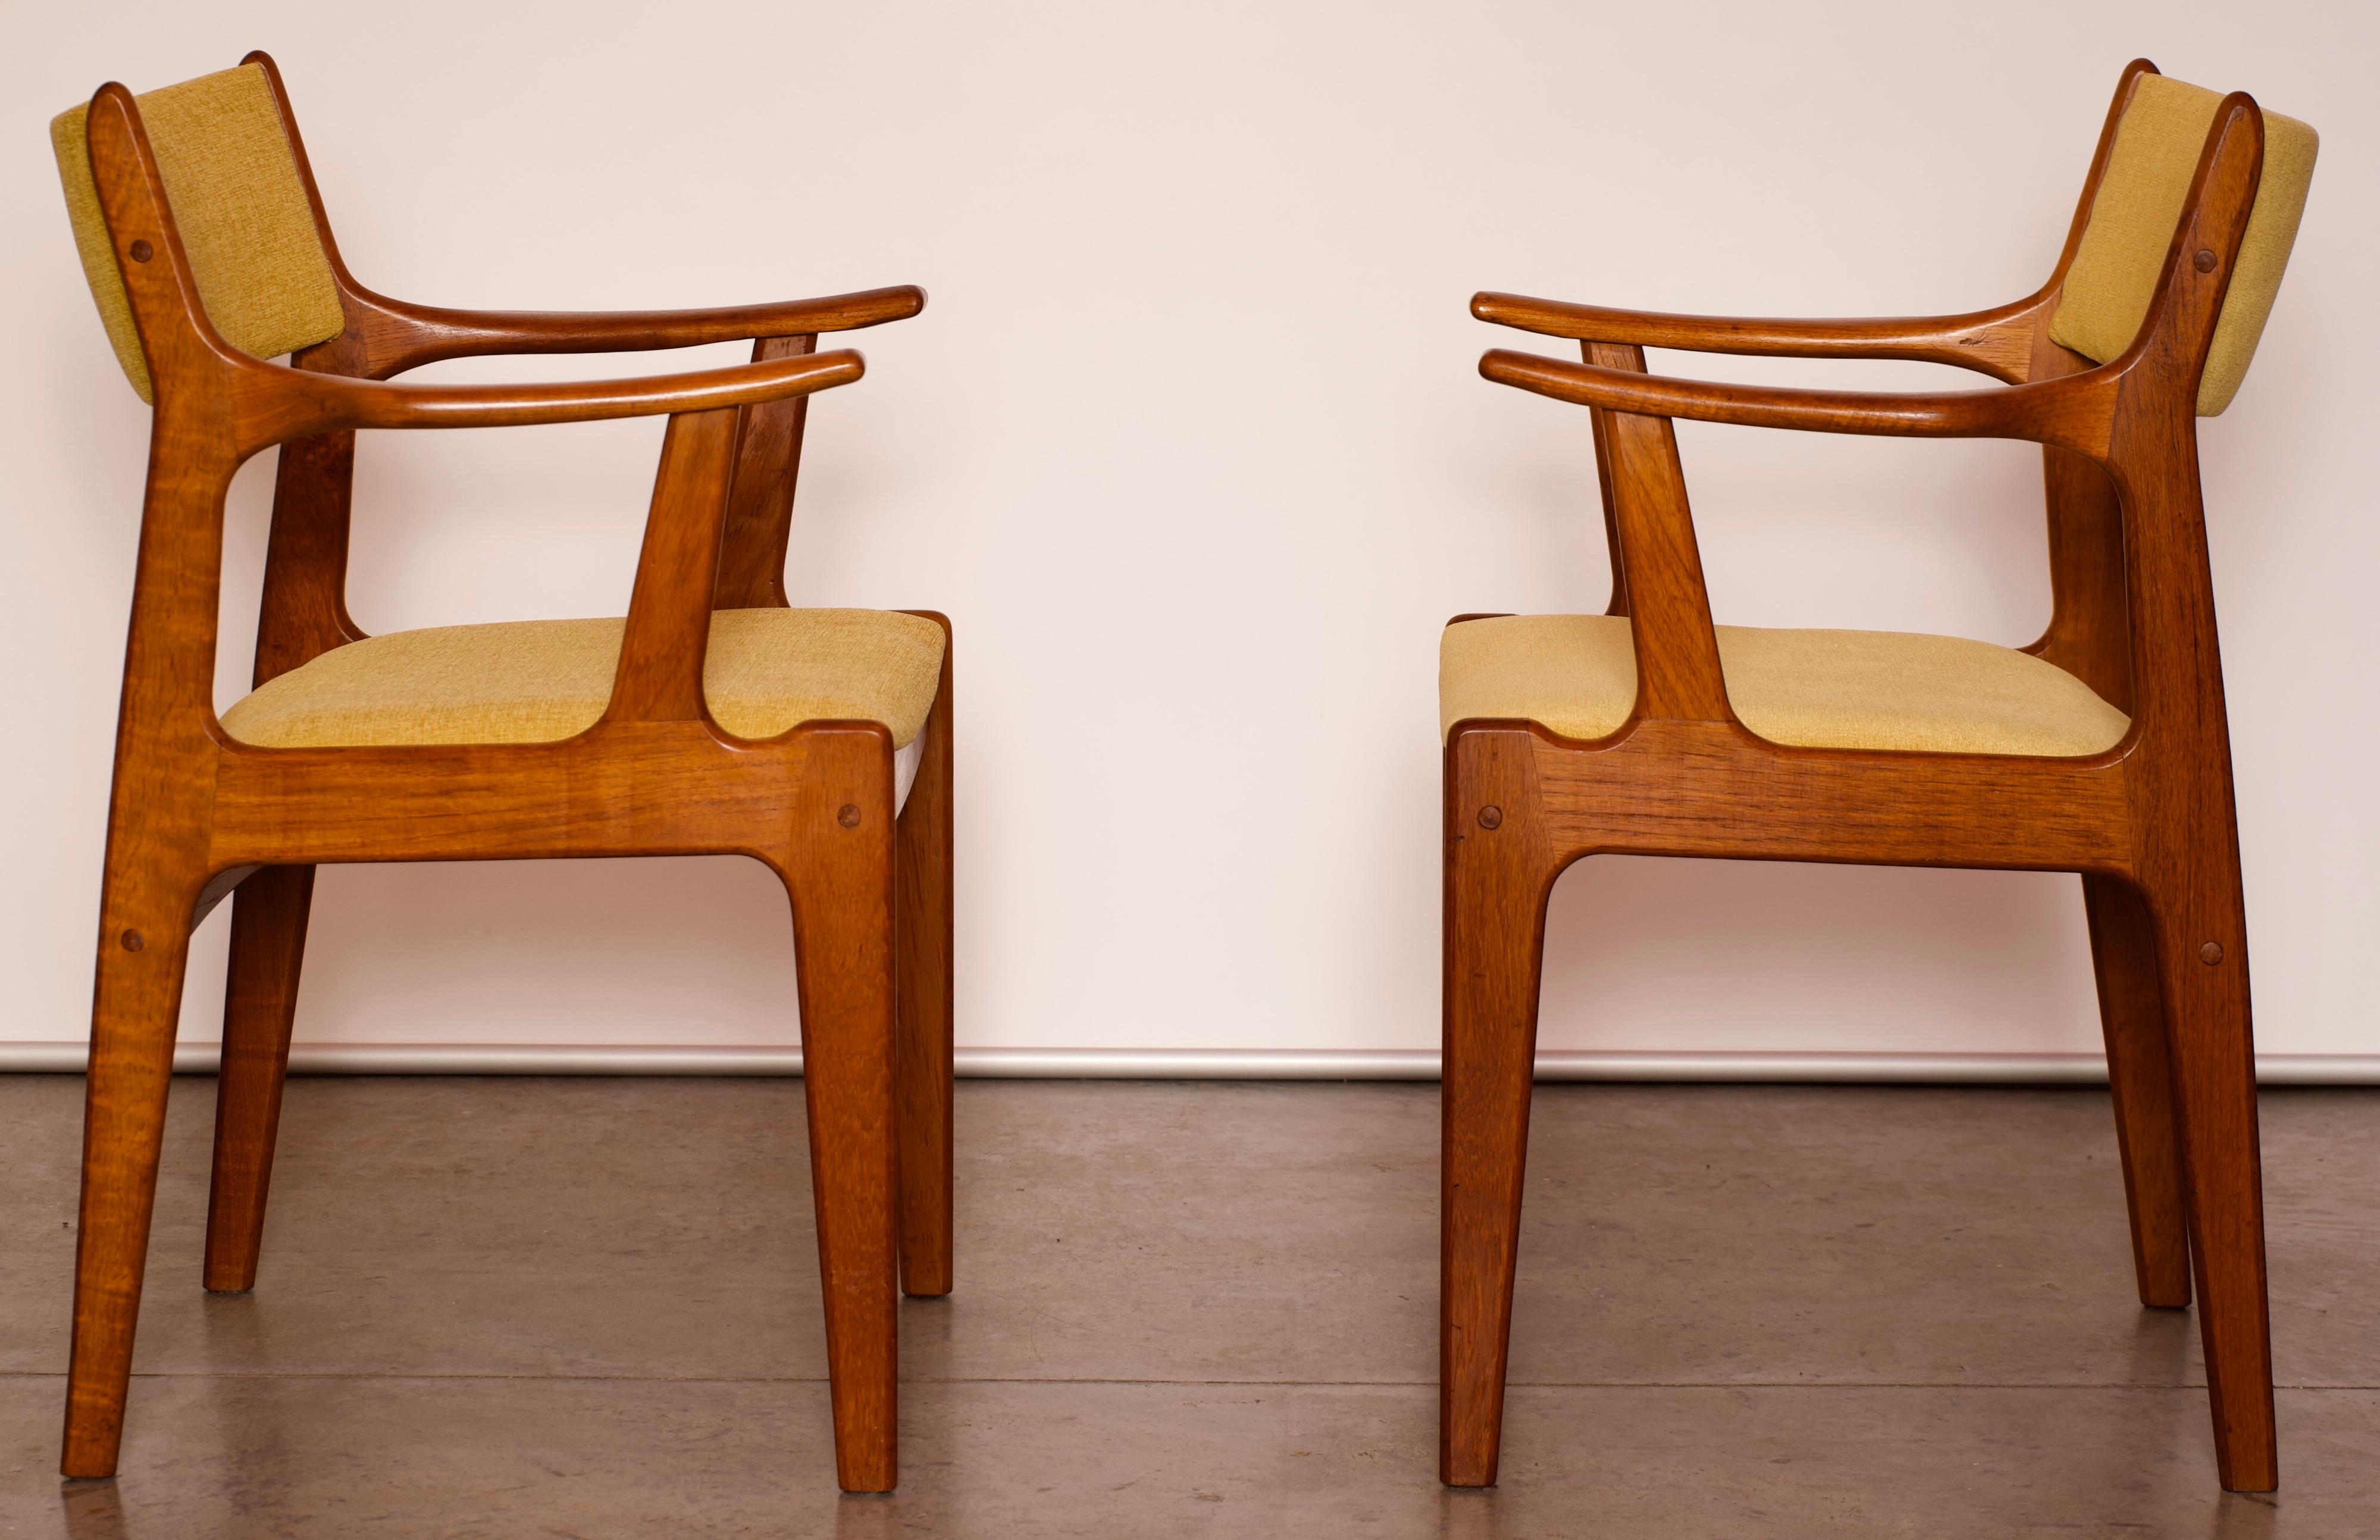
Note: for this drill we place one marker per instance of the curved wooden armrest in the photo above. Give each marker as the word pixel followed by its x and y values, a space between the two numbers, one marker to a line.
pixel 399 335
pixel 1998 342
pixel 278 403
pixel 2072 412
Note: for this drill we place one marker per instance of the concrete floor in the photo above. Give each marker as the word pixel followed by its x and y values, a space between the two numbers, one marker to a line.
pixel 509 1307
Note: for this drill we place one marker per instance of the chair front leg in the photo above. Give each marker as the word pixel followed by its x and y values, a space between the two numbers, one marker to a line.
pixel 922 995
pixel 268 949
pixel 1497 878
pixel 839 874
pixel 145 914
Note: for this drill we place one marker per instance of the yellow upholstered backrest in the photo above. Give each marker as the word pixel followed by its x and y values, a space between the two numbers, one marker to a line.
pixel 242 212
pixel 2132 220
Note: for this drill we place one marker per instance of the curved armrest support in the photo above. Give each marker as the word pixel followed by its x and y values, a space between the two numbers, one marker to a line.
pixel 276 404
pixel 1997 342
pixel 398 335
pixel 2072 412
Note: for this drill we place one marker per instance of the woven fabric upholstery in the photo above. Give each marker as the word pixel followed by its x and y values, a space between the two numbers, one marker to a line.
pixel 241 209
pixel 2132 221
pixel 540 679
pixel 1823 689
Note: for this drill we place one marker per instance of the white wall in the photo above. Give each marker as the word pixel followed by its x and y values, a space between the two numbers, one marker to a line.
pixel 1189 445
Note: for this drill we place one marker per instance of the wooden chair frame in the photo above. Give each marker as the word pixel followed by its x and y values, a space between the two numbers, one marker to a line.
pixel 2149 823
pixel 194 815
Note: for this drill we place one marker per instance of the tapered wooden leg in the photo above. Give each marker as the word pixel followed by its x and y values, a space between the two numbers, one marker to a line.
pixel 1497 878
pixel 2123 955
pixel 2203 967
pixel 143 945
pixel 922 995
pixel 840 875
pixel 268 947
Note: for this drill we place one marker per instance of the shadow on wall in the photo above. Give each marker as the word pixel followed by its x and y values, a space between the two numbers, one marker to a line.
pixel 691 950
pixel 1859 959
pixel 699 951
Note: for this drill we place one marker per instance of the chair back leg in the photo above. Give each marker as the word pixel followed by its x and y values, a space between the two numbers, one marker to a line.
pixel 2203 971
pixel 923 998
pixel 268 948
pixel 145 918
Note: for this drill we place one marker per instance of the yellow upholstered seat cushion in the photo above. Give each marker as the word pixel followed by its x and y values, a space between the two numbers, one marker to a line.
pixel 539 680
pixel 2115 274
pixel 1825 689
pixel 241 210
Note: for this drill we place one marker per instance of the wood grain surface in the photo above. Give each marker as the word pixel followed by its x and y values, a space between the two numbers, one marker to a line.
pixel 194 815
pixel 2149 823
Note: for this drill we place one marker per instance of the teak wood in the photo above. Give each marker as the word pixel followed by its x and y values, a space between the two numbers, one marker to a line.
pixel 195 815
pixel 2148 823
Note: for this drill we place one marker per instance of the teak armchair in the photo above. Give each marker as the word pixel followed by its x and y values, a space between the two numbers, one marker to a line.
pixel 786 736
pixel 2100 749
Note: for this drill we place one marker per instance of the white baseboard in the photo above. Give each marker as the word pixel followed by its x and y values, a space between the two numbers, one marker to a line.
pixel 1981 1069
